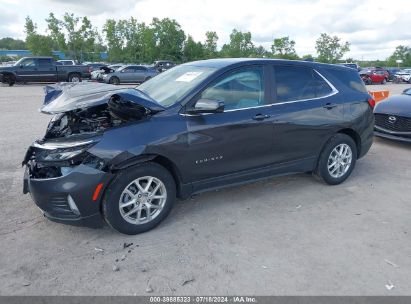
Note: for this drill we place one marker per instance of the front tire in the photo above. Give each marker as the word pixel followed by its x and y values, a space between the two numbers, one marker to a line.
pixel 139 198
pixel 337 160
pixel 114 80
pixel 9 79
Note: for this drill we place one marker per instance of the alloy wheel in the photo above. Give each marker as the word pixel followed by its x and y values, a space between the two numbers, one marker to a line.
pixel 142 200
pixel 339 160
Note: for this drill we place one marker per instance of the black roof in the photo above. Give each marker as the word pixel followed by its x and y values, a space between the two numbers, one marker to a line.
pixel 225 62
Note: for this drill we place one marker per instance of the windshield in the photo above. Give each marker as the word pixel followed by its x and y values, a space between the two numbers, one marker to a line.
pixel 169 87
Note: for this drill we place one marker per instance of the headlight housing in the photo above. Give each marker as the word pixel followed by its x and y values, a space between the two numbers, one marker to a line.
pixel 53 152
pixel 62 154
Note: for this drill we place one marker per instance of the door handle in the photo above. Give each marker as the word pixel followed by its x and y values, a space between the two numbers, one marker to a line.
pixel 261 117
pixel 329 106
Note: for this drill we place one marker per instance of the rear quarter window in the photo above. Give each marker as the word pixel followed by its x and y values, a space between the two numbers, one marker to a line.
pixel 348 78
pixel 299 83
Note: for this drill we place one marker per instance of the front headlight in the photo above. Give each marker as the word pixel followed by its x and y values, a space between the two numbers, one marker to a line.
pixel 53 152
pixel 62 155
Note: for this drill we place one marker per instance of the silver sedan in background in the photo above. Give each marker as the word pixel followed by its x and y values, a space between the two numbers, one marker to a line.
pixel 130 74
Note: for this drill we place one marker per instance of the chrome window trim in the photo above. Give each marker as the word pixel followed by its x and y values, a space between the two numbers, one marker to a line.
pixel 333 92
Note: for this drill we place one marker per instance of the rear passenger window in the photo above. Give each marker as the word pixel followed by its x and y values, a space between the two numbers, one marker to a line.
pixel 297 83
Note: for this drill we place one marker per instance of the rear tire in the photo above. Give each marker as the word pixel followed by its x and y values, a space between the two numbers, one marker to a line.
pixel 147 205
pixel 337 159
pixel 74 78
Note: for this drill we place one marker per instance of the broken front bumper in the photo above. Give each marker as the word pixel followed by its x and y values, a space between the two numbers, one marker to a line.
pixel 70 198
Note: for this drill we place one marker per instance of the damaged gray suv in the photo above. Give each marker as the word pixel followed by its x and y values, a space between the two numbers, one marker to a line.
pixel 123 155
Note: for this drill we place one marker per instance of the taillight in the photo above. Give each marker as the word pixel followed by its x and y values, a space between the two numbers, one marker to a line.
pixel 90 69
pixel 371 102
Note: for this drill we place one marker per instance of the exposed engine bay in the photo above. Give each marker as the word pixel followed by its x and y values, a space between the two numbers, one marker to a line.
pixel 95 119
pixel 82 112
pixel 83 108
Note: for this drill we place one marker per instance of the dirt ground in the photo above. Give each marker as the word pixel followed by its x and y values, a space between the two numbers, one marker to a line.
pixel 284 236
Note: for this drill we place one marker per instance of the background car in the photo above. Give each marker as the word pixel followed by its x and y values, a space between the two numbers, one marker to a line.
pixel 67 62
pixel 130 74
pixel 42 69
pixel 98 74
pixel 374 75
pixel 351 65
pixel 391 73
pixel 393 117
pixel 403 76
pixel 95 66
pixel 163 65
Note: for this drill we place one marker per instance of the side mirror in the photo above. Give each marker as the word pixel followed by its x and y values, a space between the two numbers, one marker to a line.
pixel 207 106
pixel 21 66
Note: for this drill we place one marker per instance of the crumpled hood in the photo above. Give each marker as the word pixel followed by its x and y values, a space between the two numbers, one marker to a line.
pixel 64 97
pixel 396 105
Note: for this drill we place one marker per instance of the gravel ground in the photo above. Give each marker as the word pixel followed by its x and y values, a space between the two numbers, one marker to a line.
pixel 283 236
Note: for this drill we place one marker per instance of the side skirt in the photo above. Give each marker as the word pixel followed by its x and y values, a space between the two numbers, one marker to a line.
pixel 245 177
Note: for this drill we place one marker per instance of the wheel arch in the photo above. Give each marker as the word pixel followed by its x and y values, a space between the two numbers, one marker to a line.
pixel 163 161
pixel 114 77
pixel 73 73
pixel 355 136
pixel 8 74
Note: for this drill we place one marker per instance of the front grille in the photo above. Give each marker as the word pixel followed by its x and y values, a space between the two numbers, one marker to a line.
pixel 399 124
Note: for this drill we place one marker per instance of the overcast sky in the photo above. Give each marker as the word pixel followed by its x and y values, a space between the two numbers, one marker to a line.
pixel 373 27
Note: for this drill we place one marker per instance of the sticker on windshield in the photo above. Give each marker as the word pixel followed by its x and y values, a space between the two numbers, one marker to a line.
pixel 189 76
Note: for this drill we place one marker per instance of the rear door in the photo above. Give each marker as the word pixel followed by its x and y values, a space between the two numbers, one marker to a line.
pixel 306 111
pixel 46 70
pixel 127 74
pixel 140 73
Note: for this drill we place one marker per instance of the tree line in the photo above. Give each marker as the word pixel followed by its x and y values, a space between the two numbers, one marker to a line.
pixel 127 40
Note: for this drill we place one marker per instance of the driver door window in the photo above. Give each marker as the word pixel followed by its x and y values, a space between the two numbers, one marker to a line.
pixel 29 63
pixel 240 89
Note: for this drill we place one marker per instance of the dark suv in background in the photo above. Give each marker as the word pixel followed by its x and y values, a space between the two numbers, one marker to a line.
pixel 42 69
pixel 124 155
